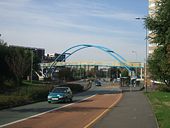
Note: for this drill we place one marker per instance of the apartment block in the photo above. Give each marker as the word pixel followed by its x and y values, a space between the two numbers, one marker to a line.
pixel 152 8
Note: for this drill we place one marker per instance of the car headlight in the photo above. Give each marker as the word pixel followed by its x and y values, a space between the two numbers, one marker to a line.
pixel 49 97
pixel 59 96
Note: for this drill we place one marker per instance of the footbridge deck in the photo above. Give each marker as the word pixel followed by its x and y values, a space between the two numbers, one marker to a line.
pixel 94 63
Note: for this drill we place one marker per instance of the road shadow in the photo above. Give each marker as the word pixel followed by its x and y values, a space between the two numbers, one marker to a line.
pixel 80 109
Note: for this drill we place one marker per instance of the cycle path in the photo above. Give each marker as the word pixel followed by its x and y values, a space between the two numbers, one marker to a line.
pixel 133 111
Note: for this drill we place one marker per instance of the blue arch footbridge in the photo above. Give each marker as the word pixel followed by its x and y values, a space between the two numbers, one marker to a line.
pixel 118 60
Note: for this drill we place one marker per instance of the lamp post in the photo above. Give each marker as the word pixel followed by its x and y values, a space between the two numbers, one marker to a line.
pixel 136 61
pixel 31 64
pixel 146 52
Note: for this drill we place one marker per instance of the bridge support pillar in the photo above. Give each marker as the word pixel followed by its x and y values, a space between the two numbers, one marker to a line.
pixel 141 73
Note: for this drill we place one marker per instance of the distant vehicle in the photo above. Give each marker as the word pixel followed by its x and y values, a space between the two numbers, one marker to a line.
pixel 98 83
pixel 60 94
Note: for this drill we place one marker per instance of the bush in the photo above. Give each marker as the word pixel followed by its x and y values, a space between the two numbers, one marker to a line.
pixel 163 87
pixel 75 88
pixel 25 95
pixel 38 93
pixel 31 93
pixel 12 101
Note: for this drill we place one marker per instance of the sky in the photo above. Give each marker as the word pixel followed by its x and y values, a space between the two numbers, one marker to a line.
pixel 56 25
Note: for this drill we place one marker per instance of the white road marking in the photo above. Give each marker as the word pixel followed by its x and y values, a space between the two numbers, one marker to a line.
pixel 103 113
pixel 44 112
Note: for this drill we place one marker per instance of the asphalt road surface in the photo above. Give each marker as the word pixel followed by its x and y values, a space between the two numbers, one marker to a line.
pixel 85 110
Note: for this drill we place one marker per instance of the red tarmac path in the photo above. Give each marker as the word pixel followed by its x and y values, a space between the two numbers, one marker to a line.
pixel 78 115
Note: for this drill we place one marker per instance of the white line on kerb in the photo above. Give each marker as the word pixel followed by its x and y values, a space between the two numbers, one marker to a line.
pixel 43 112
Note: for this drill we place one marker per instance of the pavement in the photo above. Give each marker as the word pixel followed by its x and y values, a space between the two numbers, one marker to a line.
pixel 133 111
pixel 132 88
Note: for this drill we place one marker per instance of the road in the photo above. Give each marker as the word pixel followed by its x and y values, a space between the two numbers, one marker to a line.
pixel 82 113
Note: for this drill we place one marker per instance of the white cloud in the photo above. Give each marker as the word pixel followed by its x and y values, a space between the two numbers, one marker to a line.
pixel 60 41
pixel 56 26
pixel 57 20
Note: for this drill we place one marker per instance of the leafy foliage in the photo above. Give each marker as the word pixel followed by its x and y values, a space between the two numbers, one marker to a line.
pixel 159 24
pixel 159 66
pixel 75 88
pixel 65 74
pixel 18 62
pixel 5 73
pixel 25 94
pixel 124 73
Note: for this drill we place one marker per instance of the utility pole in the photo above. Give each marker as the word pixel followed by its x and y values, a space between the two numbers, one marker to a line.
pixel 136 61
pixel 146 52
pixel 31 64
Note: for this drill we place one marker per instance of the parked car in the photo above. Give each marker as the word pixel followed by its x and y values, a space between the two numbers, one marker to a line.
pixel 98 83
pixel 60 94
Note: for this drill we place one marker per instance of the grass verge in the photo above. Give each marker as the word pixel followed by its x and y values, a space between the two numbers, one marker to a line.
pixel 161 106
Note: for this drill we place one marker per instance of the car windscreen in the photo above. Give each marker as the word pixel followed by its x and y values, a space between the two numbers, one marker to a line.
pixel 59 90
pixel 97 82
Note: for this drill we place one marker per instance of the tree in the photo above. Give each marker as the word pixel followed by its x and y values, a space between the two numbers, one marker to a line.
pixel 18 62
pixel 159 68
pixel 5 73
pixel 124 73
pixel 159 24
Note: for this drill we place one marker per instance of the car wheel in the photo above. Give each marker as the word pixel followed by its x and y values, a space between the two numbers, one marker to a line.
pixel 71 100
pixel 66 100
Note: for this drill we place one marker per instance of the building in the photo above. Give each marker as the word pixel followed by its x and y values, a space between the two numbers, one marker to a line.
pixel 51 57
pixel 152 9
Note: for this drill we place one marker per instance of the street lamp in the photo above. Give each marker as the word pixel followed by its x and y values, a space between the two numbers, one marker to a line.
pixel 31 64
pixel 33 52
pixel 146 53
pixel 136 61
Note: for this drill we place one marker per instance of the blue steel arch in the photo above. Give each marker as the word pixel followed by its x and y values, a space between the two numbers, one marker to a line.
pixel 79 47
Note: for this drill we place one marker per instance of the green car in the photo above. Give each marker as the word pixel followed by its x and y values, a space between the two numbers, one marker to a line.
pixel 60 94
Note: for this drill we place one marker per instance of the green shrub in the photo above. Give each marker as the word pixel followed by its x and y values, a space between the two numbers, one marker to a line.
pixel 31 93
pixel 24 95
pixel 12 101
pixel 163 87
pixel 75 88
pixel 38 93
